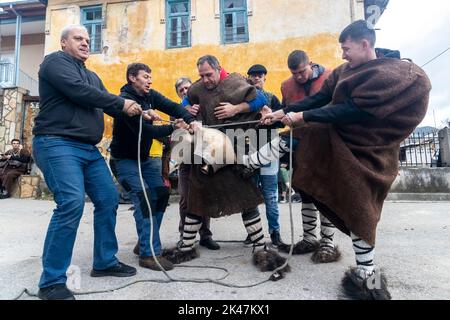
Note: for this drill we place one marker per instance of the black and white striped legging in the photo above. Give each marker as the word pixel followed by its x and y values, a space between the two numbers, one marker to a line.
pixel 309 219
pixel 364 254
pixel 267 154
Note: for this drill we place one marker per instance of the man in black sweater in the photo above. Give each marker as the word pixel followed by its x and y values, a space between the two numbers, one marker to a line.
pixel 124 150
pixel 67 128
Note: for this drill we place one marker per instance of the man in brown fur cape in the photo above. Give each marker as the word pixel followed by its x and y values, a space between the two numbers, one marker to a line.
pixel 350 134
pixel 225 191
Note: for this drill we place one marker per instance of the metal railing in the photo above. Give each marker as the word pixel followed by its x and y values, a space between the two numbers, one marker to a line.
pixel 7 71
pixel 421 149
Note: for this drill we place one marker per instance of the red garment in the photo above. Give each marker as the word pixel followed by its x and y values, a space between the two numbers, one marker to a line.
pixel 292 92
pixel 223 74
pixel 167 183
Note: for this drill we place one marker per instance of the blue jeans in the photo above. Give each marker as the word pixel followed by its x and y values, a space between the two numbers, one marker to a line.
pixel 127 171
pixel 268 185
pixel 72 168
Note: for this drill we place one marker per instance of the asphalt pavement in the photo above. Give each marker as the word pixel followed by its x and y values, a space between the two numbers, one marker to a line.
pixel 412 248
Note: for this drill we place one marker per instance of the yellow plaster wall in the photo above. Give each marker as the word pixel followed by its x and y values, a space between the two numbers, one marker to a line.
pixel 134 33
pixel 56 18
pixel 167 66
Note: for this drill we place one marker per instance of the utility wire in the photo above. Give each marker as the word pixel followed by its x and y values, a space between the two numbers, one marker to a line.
pixel 440 54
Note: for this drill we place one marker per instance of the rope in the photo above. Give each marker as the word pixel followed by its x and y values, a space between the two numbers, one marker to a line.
pixel 193 280
pixel 196 280
pixel 220 125
pixel 232 124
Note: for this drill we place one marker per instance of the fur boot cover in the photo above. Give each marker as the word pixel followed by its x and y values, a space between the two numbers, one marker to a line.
pixel 326 255
pixel 176 256
pixel 371 288
pixel 301 247
pixel 269 260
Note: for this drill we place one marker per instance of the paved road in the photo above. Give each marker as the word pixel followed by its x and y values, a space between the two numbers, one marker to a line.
pixel 412 247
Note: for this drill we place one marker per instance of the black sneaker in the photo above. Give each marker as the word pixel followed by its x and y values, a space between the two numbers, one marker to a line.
pixel 136 249
pixel 296 198
pixel 5 196
pixel 55 292
pixel 248 241
pixel 119 270
pixel 276 239
pixel 209 243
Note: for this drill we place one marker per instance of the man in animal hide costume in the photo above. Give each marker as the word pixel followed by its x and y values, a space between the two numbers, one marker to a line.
pixel 350 134
pixel 307 79
pixel 217 192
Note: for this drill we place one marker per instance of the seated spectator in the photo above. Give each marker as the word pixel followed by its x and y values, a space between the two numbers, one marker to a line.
pixel 13 163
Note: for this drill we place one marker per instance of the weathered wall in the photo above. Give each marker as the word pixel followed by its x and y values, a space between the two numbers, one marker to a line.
pixel 422 180
pixel 11 117
pixel 444 144
pixel 31 52
pixel 31 111
pixel 134 32
pixel 275 29
pixel 28 187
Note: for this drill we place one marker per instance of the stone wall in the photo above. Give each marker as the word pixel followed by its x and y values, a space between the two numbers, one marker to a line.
pixel 11 115
pixel 13 103
pixel 28 187
pixel 32 109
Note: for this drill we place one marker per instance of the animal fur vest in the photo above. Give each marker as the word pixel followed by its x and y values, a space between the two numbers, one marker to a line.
pixel 349 168
pixel 225 192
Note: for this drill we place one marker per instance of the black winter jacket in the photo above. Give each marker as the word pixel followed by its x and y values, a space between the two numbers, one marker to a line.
pixel 126 129
pixel 72 100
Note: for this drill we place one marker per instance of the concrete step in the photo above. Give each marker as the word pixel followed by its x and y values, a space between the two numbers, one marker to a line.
pixel 418 197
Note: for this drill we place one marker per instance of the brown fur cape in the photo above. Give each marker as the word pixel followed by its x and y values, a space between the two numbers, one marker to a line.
pixel 225 192
pixel 349 168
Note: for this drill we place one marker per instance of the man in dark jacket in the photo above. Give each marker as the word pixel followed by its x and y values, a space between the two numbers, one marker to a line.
pixel 124 150
pixel 267 177
pixel 67 128
pixel 12 165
